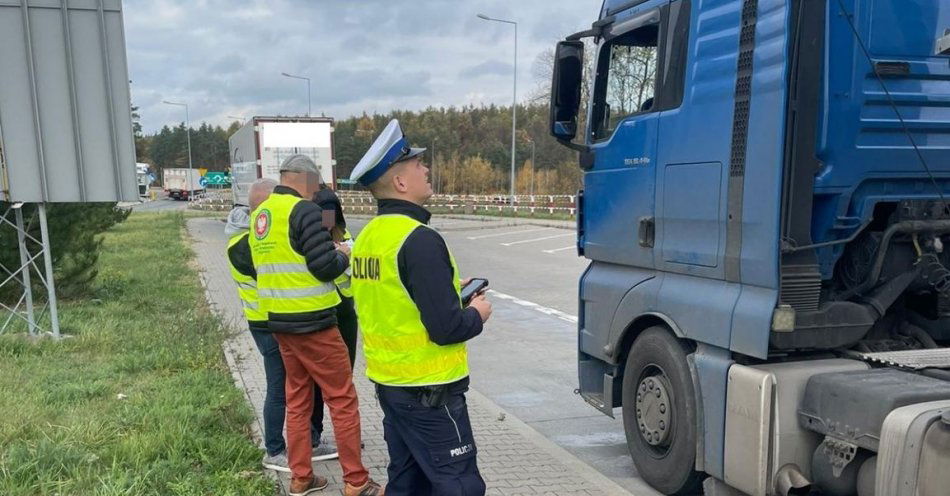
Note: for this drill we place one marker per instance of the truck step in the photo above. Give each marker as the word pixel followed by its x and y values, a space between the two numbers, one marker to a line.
pixel 938 358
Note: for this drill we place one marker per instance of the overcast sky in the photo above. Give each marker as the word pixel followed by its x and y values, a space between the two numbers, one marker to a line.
pixel 225 57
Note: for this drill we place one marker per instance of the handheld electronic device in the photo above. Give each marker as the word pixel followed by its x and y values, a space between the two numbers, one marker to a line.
pixel 471 289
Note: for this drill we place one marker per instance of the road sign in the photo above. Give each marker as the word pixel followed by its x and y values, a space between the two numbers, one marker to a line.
pixel 64 103
pixel 203 182
pixel 217 178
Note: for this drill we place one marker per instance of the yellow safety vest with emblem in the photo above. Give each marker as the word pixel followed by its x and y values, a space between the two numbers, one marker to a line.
pixel 343 282
pixel 284 283
pixel 247 288
pixel 395 341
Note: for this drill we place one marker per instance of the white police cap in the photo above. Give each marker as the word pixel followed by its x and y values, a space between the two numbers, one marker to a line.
pixel 389 148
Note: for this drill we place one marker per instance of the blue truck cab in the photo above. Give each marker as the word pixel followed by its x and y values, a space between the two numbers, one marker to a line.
pixel 765 211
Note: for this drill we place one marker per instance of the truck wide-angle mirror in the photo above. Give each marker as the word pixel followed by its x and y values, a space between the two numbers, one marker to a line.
pixel 566 89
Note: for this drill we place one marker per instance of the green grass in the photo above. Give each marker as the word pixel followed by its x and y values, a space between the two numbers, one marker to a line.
pixel 147 333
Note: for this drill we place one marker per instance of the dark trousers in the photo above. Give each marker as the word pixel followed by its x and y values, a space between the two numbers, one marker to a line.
pixel 431 449
pixel 275 404
pixel 346 321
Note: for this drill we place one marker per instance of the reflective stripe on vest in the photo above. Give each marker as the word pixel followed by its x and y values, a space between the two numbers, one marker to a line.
pixel 343 282
pixel 284 283
pixel 247 288
pixel 395 341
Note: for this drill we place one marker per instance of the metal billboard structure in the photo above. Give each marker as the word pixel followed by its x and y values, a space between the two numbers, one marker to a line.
pixel 65 125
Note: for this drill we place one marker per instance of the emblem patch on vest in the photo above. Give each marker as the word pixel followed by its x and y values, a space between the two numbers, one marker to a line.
pixel 262 224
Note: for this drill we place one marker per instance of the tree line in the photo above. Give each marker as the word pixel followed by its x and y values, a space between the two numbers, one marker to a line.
pixel 469 146
pixel 168 148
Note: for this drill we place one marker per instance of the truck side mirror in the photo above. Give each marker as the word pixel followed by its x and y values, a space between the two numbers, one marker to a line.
pixel 566 89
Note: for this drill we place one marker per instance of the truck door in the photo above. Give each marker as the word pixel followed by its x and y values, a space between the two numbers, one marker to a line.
pixel 619 226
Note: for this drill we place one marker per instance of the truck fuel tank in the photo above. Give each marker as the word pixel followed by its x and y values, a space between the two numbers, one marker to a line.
pixel 852 406
pixel 914 452
pixel 934 477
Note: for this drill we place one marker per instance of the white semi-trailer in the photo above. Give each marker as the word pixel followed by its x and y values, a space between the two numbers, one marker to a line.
pixel 182 183
pixel 258 148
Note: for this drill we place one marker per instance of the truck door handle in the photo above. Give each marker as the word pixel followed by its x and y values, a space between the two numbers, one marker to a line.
pixel 647 232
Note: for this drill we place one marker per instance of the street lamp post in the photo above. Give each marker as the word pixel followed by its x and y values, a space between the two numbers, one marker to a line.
pixel 534 167
pixel 308 87
pixel 514 100
pixel 435 175
pixel 187 137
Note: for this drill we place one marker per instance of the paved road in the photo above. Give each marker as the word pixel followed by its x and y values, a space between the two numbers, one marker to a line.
pixel 162 204
pixel 525 361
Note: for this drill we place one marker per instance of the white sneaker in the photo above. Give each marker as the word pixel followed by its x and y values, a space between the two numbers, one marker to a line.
pixel 277 462
pixel 326 450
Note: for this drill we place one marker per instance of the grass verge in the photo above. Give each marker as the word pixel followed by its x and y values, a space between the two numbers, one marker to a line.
pixel 148 335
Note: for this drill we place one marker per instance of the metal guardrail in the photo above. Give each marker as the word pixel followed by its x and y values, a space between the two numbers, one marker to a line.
pixel 214 201
pixel 363 203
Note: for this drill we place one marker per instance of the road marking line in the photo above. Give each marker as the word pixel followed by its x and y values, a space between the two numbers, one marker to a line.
pixel 559 249
pixel 566 317
pixel 509 232
pixel 537 239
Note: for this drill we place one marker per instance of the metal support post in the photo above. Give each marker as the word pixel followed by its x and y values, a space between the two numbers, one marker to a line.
pixel 22 275
pixel 48 262
pixel 25 270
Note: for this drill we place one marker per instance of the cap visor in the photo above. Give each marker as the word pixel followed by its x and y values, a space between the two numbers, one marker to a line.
pixel 413 152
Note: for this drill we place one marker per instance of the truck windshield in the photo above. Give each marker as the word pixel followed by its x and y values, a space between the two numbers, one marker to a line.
pixel 626 79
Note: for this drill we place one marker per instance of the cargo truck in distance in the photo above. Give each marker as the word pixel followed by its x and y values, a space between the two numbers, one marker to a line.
pixel 765 211
pixel 262 143
pixel 182 183
pixel 142 178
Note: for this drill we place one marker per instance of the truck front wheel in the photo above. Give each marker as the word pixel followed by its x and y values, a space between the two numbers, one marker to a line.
pixel 659 413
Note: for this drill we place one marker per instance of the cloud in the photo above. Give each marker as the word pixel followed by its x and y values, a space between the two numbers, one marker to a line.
pixel 229 64
pixel 224 57
pixel 487 68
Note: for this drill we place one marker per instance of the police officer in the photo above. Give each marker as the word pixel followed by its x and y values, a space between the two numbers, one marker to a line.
pixel 407 291
pixel 296 263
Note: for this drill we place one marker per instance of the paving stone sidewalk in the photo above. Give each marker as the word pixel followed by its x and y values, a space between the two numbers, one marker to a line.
pixel 514 459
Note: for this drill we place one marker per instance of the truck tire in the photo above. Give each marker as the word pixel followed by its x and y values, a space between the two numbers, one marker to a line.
pixel 659 413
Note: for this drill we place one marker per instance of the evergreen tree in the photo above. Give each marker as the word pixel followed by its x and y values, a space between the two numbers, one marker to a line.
pixel 74 230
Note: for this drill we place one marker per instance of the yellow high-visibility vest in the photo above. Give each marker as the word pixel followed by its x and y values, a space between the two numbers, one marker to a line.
pixel 284 283
pixel 395 341
pixel 247 287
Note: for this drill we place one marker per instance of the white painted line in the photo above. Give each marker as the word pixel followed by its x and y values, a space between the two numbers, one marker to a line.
pixel 560 249
pixel 509 232
pixel 537 239
pixel 566 317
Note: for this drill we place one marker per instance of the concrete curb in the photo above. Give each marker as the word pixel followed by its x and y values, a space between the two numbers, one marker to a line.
pixel 600 481
pixel 232 358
